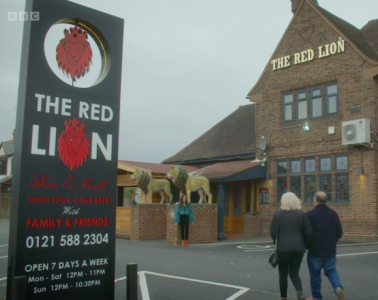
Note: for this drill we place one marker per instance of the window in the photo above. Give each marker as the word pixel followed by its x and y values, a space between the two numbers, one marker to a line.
pixel 282 168
pixel 295 166
pixel 309 165
pixel 248 197
pixel 288 107
pixel 301 105
pixel 325 164
pixel 341 163
pixel 281 187
pixel 342 188
pixel 3 167
pixel 295 186
pixel 325 185
pixel 331 99
pixel 316 102
pixel 310 100
pixel 310 188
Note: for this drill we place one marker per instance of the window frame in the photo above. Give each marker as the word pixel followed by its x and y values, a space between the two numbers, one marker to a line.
pixel 284 107
pixel 327 96
pixel 329 199
pixel 305 188
pixel 320 166
pixel 304 165
pixel 297 93
pixel 337 200
pixel 299 195
pixel 300 166
pixel 336 167
pixel 278 194
pixel 281 173
pixel 312 98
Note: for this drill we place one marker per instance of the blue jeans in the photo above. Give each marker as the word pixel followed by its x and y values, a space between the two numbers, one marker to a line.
pixel 315 266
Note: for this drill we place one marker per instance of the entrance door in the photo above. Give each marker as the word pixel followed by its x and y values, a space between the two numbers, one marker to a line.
pixel 233 219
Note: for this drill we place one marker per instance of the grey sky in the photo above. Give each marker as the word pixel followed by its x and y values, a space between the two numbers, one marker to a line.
pixel 186 64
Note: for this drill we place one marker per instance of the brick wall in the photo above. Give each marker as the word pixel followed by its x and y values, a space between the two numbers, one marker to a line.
pixel 148 221
pixel 5 202
pixel 309 30
pixel 203 230
pixel 251 225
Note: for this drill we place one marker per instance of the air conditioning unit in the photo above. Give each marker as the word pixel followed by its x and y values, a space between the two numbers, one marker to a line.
pixel 356 132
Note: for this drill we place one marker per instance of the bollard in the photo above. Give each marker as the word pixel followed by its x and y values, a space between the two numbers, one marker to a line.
pixel 131 282
pixel 19 288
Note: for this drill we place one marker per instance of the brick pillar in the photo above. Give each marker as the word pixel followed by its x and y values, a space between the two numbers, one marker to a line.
pixel 203 230
pixel 148 221
pixel 251 225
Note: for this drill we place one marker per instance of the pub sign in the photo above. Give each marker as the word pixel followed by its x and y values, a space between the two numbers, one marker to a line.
pixel 62 226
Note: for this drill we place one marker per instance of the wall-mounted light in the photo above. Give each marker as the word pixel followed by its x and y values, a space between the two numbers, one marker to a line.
pixel 306 127
pixel 360 170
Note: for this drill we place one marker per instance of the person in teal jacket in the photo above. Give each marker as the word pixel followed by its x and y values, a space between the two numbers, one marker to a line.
pixel 183 216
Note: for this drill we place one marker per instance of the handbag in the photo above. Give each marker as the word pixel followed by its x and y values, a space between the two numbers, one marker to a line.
pixel 274 258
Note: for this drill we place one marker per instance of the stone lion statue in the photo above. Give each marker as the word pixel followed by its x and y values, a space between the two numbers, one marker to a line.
pixel 187 184
pixel 150 185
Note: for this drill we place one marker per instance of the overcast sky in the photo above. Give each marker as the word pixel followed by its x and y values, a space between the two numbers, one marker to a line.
pixel 187 64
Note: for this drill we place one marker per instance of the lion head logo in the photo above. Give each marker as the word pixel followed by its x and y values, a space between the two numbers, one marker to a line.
pixel 73 144
pixel 74 53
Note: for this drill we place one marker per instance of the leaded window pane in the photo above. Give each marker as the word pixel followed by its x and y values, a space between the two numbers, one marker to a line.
pixel 341 163
pixel 310 188
pixel 295 167
pixel 325 164
pixel 325 185
pixel 281 168
pixel 342 188
pixel 295 186
pixel 310 165
pixel 281 187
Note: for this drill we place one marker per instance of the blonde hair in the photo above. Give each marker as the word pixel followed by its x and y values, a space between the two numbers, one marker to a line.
pixel 289 201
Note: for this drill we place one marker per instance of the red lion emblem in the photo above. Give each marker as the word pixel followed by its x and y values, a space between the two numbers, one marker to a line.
pixel 74 53
pixel 73 144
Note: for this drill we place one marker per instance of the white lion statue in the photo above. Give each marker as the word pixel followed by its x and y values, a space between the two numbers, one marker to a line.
pixel 187 184
pixel 150 185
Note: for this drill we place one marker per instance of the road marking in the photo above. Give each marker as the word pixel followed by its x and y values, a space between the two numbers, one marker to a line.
pixel 146 295
pixel 4 245
pixel 232 243
pixel 362 253
pixel 3 256
pixel 1 279
pixel 120 279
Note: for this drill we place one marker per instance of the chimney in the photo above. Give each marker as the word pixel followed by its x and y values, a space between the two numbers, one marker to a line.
pixel 296 3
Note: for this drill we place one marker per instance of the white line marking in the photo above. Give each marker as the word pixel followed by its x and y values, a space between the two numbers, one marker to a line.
pixel 4 245
pixel 362 253
pixel 120 279
pixel 1 279
pixel 236 295
pixel 232 243
pixel 3 256
pixel 143 286
pixel 357 244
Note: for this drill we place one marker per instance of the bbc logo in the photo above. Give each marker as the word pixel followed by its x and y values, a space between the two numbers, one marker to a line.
pixel 23 16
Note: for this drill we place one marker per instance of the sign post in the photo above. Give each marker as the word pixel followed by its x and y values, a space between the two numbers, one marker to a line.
pixel 62 226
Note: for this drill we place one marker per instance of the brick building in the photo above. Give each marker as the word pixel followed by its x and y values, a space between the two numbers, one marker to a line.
pixel 322 76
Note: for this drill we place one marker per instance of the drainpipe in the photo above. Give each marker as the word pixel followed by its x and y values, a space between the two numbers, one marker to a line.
pixel 362 97
pixel 260 112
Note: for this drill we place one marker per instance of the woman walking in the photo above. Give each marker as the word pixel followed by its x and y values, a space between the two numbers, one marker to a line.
pixel 293 231
pixel 184 215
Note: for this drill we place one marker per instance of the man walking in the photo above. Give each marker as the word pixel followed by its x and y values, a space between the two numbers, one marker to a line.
pixel 327 230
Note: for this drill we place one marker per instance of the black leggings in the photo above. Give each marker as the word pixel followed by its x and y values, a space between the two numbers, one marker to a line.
pixel 184 227
pixel 289 264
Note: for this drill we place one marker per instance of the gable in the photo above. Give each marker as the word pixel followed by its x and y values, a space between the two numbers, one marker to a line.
pixel 315 29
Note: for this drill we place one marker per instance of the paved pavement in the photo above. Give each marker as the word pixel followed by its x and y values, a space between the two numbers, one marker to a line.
pixel 229 270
